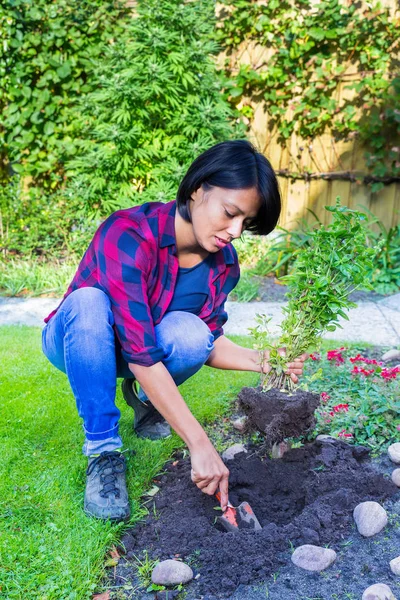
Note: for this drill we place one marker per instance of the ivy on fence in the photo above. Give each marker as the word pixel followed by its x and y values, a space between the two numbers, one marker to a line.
pixel 310 49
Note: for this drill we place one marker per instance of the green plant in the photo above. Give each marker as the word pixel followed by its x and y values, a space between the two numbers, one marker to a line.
pixel 385 275
pixel 336 261
pixel 246 290
pixel 48 51
pixel 310 49
pixel 361 403
pixel 157 105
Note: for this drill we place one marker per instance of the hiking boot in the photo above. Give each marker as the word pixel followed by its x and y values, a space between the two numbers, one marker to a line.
pixel 148 423
pixel 106 496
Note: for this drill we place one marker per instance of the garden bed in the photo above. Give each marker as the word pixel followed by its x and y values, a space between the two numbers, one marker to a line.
pixel 307 497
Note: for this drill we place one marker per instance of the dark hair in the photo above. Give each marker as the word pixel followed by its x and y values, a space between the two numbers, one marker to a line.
pixel 234 165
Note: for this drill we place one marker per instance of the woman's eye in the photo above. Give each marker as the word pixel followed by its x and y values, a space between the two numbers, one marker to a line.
pixel 229 214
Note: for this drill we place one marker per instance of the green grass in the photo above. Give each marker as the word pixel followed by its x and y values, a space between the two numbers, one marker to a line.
pixel 34 277
pixel 49 549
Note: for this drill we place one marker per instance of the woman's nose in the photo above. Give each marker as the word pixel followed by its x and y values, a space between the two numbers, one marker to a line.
pixel 235 228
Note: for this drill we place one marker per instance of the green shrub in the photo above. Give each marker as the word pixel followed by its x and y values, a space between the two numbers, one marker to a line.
pixel 157 105
pixel 48 51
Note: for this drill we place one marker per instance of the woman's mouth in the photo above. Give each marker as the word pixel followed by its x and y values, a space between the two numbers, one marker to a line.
pixel 220 242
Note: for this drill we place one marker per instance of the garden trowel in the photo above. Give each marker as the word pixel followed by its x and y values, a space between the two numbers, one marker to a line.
pixel 239 517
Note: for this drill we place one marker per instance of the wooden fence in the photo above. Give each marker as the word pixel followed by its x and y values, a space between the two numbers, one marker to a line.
pixel 337 168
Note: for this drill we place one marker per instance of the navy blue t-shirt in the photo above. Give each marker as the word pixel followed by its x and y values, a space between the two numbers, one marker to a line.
pixel 191 288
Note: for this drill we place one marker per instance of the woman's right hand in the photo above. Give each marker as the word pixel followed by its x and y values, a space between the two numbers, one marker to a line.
pixel 209 472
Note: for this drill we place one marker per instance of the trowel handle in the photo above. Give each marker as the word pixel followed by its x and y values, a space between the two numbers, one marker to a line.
pixel 218 497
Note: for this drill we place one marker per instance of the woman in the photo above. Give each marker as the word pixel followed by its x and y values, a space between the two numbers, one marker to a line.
pixel 147 304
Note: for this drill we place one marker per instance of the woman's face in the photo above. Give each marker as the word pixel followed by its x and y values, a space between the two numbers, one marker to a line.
pixel 221 215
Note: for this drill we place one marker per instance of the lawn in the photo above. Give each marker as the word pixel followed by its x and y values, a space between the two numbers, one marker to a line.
pixel 48 548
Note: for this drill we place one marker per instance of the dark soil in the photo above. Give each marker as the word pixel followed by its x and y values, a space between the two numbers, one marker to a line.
pixel 271 291
pixel 308 496
pixel 278 415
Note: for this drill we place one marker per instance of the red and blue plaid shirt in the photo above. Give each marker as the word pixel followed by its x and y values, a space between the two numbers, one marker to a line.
pixel 132 258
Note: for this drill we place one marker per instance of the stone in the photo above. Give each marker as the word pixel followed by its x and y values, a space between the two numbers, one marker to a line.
pixel 171 572
pixel 313 558
pixel 396 477
pixel 391 355
pixel 230 453
pixel 239 423
pixel 378 591
pixel 394 453
pixel 395 565
pixel 370 518
pixel 279 449
pixel 322 437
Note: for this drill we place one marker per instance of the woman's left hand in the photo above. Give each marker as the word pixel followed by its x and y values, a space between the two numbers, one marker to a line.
pixel 294 369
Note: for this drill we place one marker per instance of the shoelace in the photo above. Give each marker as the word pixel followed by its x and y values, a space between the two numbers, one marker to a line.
pixel 115 463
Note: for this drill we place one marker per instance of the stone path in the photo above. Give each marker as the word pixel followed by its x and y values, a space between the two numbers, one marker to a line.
pixel 372 322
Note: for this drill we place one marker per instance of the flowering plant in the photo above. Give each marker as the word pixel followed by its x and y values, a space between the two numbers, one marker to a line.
pixel 363 403
pixel 336 261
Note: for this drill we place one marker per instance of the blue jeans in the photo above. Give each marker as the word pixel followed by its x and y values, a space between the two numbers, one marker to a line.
pixel 80 341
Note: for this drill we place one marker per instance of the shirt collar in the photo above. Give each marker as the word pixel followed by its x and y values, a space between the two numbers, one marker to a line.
pixel 167 235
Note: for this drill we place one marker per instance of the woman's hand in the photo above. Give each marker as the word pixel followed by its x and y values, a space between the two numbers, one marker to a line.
pixel 294 369
pixel 209 472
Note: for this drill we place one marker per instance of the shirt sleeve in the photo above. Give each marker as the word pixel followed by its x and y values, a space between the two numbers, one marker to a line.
pixel 124 266
pixel 219 316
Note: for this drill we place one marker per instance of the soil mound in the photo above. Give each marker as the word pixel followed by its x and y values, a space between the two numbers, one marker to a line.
pixel 278 415
pixel 308 496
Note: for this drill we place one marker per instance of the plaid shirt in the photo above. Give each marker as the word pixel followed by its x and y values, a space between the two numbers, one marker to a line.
pixel 132 258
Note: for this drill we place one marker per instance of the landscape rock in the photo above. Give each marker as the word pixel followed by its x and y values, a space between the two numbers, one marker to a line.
pixel 391 355
pixel 394 453
pixel 378 591
pixel 370 518
pixel 395 565
pixel 313 558
pixel 239 423
pixel 231 452
pixel 279 449
pixel 396 477
pixel 171 572
pixel 325 438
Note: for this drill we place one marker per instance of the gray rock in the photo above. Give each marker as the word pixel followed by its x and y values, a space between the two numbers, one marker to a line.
pixel 171 572
pixel 394 453
pixel 313 558
pixel 279 449
pixel 396 477
pixel 239 423
pixel 325 438
pixel 231 452
pixel 395 565
pixel 378 591
pixel 370 518
pixel 391 355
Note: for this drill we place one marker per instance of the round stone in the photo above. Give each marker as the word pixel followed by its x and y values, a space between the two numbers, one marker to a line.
pixel 313 558
pixel 230 453
pixel 394 453
pixel 395 565
pixel 240 423
pixel 396 477
pixel 171 572
pixel 378 591
pixel 391 355
pixel 370 518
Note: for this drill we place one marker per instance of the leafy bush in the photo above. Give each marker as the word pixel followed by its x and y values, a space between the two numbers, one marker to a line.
pixel 336 261
pixel 359 397
pixel 48 52
pixel 157 105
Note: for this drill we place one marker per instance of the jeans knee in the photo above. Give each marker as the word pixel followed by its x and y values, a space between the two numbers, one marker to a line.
pixel 184 334
pixel 91 306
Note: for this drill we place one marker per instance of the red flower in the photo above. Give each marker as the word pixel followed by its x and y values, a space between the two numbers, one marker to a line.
pixel 361 371
pixel 344 434
pixel 324 397
pixel 367 361
pixel 336 355
pixel 390 373
pixel 315 356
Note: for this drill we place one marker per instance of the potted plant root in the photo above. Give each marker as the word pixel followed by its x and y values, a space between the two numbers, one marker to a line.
pixel 336 261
